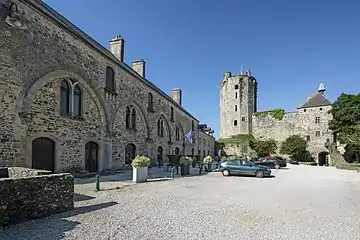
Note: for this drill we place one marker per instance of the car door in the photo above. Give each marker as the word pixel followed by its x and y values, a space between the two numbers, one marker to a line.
pixel 234 167
pixel 247 168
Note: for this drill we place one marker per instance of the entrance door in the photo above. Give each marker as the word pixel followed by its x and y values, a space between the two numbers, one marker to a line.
pixel 91 157
pixel 160 154
pixel 43 154
pixel 130 152
pixel 177 151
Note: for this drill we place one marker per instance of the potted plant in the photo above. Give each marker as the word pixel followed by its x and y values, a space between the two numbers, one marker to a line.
pixel 185 165
pixel 140 168
pixel 208 160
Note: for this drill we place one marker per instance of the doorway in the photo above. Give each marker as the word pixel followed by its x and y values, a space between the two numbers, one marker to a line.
pixel 323 159
pixel 130 153
pixel 91 157
pixel 177 151
pixel 43 154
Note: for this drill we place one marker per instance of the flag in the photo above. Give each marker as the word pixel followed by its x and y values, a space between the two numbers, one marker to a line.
pixel 189 137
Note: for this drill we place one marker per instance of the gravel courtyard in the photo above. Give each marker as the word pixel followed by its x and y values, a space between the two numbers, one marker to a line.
pixel 298 203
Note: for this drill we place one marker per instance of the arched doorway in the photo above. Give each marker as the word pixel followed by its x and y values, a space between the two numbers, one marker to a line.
pixel 91 157
pixel 130 153
pixel 43 154
pixel 177 151
pixel 323 159
pixel 160 153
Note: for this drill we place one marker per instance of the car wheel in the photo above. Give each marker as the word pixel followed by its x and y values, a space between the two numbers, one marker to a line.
pixel 259 174
pixel 277 166
pixel 225 172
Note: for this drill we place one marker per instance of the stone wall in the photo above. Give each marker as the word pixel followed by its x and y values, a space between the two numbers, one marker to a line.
pixel 268 127
pixel 34 62
pixel 19 172
pixel 33 197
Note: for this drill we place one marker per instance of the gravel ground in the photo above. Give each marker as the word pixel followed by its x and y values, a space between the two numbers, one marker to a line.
pixel 302 202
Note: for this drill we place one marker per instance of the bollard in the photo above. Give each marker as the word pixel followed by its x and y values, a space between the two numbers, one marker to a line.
pixel 98 182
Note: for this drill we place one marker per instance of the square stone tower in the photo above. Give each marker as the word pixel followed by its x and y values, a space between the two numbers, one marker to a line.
pixel 238 101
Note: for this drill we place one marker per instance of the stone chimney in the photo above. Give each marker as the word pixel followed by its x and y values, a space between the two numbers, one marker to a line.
pixel 139 67
pixel 177 95
pixel 117 47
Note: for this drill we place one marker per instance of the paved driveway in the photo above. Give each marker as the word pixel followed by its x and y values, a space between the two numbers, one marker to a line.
pixel 302 202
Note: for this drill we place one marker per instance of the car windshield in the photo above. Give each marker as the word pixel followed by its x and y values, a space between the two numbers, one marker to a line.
pixel 246 162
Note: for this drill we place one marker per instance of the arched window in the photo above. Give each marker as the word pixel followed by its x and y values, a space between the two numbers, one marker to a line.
pixel 235 122
pixel 236 86
pixel 77 101
pixel 64 98
pixel 177 133
pixel 127 121
pixel 150 102
pixel 160 128
pixel 133 119
pixel 110 79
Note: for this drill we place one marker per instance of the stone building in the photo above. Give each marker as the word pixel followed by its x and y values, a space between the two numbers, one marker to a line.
pixel 238 115
pixel 69 103
pixel 206 141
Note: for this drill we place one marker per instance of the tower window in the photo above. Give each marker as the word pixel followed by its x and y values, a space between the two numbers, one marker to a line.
pixel 317 134
pixel 320 109
pixel 317 120
pixel 235 94
pixel 235 108
pixel 236 86
pixel 235 122
pixel 304 110
pixel 308 138
pixel 243 119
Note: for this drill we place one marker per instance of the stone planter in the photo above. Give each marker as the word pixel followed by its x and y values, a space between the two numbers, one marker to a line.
pixel 185 169
pixel 140 174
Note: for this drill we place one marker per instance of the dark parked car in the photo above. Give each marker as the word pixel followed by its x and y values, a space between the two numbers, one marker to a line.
pixel 243 167
pixel 271 162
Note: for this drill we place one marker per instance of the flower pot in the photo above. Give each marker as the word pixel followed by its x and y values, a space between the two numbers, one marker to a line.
pixel 185 169
pixel 140 174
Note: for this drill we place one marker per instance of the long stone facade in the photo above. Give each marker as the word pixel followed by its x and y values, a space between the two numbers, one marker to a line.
pixel 238 115
pixel 69 103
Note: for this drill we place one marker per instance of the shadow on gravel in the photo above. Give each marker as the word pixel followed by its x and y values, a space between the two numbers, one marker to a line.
pixel 81 197
pixel 51 227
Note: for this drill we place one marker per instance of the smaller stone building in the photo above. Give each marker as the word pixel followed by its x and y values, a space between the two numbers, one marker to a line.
pixel 206 141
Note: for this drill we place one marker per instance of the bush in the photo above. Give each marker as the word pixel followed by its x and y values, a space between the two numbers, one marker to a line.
pixel 208 159
pixel 347 166
pixel 223 159
pixel 263 147
pixel 295 146
pixel 185 160
pixel 140 161
pixel 174 159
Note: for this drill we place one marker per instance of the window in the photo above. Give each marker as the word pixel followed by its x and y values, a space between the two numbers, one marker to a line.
pixel 328 140
pixel 236 86
pixel 110 79
pixel 235 108
pixel 171 114
pixel 192 152
pixel 320 109
pixel 235 122
pixel 77 101
pixel 317 120
pixel 317 133
pixel 308 138
pixel 133 119
pixel 177 133
pixel 64 98
pixel 192 125
pixel 160 129
pixel 130 119
pixel 304 110
pixel 150 102
pixel 243 119
pixel 235 94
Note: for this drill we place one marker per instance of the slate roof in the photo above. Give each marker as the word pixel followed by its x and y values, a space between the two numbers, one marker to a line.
pixel 316 100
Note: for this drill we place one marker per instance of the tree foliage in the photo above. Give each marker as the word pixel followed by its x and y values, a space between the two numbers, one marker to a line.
pixel 295 146
pixel 236 140
pixel 263 147
pixel 346 119
pixel 276 113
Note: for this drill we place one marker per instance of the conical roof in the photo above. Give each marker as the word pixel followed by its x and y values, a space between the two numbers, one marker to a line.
pixel 316 100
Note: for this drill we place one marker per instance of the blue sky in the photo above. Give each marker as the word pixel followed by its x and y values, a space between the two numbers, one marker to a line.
pixel 291 46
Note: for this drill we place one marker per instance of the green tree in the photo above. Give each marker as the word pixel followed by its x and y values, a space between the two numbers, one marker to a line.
pixel 346 119
pixel 263 147
pixel 295 146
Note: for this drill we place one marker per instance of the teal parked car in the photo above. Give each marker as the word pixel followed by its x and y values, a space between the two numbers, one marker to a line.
pixel 243 167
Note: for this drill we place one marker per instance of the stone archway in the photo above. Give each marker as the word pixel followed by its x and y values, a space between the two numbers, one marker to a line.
pixel 323 159
pixel 91 157
pixel 177 151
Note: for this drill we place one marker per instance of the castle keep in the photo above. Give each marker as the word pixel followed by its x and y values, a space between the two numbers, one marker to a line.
pixel 238 115
pixel 69 103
